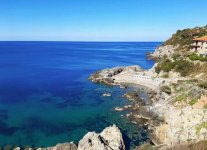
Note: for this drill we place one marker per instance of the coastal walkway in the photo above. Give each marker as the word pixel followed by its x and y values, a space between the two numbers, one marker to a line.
pixel 139 79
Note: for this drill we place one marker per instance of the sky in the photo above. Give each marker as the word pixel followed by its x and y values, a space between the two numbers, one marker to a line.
pixel 98 20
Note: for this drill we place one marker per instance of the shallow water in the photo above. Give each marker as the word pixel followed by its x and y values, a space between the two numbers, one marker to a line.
pixel 46 98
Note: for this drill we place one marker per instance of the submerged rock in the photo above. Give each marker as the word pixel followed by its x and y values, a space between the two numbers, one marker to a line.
pixel 109 139
pixel 107 94
pixel 118 109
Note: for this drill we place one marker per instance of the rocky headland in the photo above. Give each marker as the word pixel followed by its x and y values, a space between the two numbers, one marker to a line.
pixel 177 89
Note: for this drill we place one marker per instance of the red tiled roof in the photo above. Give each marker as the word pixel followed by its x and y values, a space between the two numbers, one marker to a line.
pixel 204 38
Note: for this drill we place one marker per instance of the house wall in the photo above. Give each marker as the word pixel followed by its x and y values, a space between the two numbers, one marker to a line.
pixel 202 48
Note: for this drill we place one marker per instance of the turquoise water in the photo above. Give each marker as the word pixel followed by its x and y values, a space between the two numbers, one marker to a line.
pixel 46 98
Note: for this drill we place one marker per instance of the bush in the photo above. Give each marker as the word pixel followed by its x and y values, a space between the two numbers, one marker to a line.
pixel 166 89
pixel 195 56
pixel 199 127
pixel 175 56
pixel 165 76
pixel 158 68
pixel 181 97
pixel 184 67
pixel 192 102
pixel 165 65
pixel 205 106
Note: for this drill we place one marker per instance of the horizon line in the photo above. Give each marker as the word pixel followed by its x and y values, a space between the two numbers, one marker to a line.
pixel 68 41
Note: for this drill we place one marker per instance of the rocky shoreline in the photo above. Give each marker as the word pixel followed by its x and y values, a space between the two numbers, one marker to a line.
pixel 168 120
pixel 109 139
pixel 176 115
pixel 140 112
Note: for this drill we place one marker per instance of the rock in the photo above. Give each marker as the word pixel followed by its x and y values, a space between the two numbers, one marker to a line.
pixel 91 141
pixel 107 94
pixel 128 106
pixel 119 109
pixel 162 51
pixel 134 96
pixel 64 146
pixel 113 137
pixel 109 139
pixel 28 148
pixel 106 75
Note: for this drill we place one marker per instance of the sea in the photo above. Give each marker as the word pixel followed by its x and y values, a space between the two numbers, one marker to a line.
pixel 46 97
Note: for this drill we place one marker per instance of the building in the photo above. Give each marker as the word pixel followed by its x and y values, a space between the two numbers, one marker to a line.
pixel 200 45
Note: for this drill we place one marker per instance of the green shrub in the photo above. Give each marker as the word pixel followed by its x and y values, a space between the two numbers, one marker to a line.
pixel 166 65
pixel 181 97
pixel 158 68
pixel 199 127
pixel 166 89
pixel 175 56
pixel 195 56
pixel 205 106
pixel 184 67
pixel 192 102
pixel 165 76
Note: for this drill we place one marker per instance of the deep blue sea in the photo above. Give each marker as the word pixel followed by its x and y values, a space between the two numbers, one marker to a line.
pixel 46 97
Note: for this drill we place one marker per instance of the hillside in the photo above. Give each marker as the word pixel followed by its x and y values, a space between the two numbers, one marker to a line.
pixel 184 38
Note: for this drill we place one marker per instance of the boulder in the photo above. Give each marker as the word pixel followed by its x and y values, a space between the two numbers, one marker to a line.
pixel 162 51
pixel 63 146
pixel 109 139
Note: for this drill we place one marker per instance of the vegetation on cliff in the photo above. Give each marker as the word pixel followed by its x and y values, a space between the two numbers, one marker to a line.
pixel 195 56
pixel 183 66
pixel 184 38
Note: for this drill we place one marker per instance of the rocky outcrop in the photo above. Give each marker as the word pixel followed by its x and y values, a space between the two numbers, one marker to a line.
pixel 106 75
pixel 64 146
pixel 109 139
pixel 163 51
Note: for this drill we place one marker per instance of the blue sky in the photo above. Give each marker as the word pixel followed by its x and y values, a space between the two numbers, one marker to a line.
pixel 98 20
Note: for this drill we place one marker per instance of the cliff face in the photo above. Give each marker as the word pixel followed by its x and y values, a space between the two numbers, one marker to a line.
pixel 185 116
